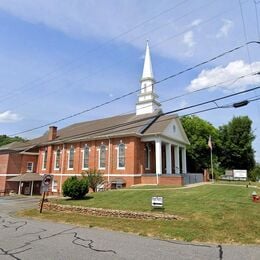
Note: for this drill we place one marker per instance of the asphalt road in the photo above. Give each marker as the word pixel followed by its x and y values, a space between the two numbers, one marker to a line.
pixel 30 239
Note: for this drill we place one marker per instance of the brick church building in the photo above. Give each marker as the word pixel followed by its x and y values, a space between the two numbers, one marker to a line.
pixel 145 147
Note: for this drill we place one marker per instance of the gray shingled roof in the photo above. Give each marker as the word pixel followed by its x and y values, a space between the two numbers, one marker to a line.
pixel 29 176
pixel 123 125
pixel 116 126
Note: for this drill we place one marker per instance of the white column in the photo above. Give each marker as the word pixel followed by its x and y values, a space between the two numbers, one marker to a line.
pixel 32 189
pixel 176 159
pixel 19 188
pixel 168 158
pixel 184 163
pixel 158 156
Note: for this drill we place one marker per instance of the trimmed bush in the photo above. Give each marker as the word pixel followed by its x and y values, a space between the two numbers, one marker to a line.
pixel 75 188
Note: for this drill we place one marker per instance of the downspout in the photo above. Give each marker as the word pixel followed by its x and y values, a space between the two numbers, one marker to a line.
pixel 62 166
pixel 108 170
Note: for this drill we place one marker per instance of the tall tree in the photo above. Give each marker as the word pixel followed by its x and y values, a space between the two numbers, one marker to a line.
pixel 236 141
pixel 198 132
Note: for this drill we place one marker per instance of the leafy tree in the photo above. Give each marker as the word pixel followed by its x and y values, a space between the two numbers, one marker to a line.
pixel 254 175
pixel 75 188
pixel 236 144
pixel 4 139
pixel 198 153
pixel 94 178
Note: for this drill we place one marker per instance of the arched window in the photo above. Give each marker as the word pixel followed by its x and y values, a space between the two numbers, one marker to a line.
pixel 57 159
pixel 71 158
pixel 102 157
pixel 147 156
pixel 121 156
pixel 85 157
pixel 44 163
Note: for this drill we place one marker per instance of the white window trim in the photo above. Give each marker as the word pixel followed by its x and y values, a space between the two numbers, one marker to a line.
pixel 55 157
pixel 27 167
pixel 68 152
pixel 43 159
pixel 101 168
pixel 52 186
pixel 117 158
pixel 83 157
pixel 148 147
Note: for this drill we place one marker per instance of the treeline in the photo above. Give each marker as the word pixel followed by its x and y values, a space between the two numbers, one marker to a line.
pixel 4 139
pixel 231 143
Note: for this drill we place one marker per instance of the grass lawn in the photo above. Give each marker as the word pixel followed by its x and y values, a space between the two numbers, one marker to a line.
pixel 211 213
pixel 239 183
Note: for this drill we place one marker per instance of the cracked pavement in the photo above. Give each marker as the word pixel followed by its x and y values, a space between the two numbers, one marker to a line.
pixel 31 239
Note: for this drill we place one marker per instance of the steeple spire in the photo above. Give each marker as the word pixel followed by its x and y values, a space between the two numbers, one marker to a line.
pixel 147 98
pixel 148 69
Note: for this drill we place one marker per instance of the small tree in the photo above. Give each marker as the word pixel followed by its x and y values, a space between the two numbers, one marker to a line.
pixel 94 178
pixel 254 175
pixel 75 188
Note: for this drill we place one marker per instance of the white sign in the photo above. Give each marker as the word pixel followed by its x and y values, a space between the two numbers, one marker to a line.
pixel 157 202
pixel 240 173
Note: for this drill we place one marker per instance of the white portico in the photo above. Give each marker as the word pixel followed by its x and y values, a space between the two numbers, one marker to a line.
pixel 169 141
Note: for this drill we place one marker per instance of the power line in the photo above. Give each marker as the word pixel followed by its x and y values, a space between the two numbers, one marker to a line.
pixel 257 20
pixel 153 117
pixel 140 36
pixel 103 44
pixel 137 90
pixel 233 81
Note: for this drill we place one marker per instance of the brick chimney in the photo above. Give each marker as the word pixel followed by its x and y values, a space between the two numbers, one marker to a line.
pixel 52 133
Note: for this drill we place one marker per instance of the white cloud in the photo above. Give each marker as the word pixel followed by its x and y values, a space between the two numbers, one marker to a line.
pixel 227 74
pixel 196 22
pixel 188 39
pixel 9 117
pixel 225 28
pixel 87 19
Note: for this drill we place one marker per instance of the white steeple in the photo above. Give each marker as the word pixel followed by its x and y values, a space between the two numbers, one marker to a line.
pixel 146 99
pixel 148 70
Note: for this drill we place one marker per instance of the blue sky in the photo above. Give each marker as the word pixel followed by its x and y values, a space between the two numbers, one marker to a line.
pixel 60 57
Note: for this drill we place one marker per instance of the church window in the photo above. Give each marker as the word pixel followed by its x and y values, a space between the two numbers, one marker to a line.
pixel 57 159
pixel 44 163
pixel 147 156
pixel 85 158
pixel 71 158
pixel 102 157
pixel 121 156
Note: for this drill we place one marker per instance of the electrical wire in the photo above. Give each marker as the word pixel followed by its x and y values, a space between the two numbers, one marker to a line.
pixel 100 47
pixel 153 117
pixel 137 90
pixel 138 37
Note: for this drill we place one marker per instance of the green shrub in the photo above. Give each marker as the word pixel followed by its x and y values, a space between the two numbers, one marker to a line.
pixel 75 188
pixel 254 175
pixel 94 178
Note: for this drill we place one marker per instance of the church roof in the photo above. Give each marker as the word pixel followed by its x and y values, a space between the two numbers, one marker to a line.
pixel 122 125
pixel 116 126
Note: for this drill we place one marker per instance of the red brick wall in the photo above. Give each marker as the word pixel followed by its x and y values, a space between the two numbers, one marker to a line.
pixel 28 158
pixel 163 180
pixel 2 184
pixel 4 163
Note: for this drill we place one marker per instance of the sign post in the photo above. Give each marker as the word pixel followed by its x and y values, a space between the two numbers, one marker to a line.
pixel 46 181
